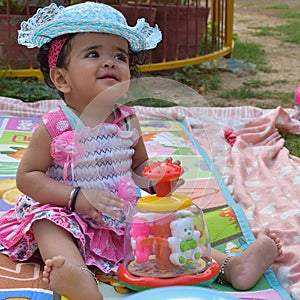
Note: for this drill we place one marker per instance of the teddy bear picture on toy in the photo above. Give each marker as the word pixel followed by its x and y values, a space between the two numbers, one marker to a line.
pixel 184 241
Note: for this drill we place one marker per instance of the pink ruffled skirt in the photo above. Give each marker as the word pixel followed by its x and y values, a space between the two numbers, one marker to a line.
pixel 100 246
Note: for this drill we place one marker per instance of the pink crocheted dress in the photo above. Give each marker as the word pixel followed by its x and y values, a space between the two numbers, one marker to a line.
pixel 97 158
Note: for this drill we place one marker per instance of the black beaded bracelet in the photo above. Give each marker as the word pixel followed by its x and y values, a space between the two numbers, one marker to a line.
pixel 72 199
pixel 151 188
pixel 220 279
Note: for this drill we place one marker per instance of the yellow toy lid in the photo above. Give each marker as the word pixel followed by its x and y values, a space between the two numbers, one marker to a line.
pixel 161 204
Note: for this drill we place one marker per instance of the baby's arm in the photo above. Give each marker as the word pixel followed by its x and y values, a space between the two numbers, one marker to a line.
pixel 31 175
pixel 141 160
pixel 33 181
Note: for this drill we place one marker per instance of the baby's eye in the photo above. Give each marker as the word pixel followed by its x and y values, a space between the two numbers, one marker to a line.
pixel 93 54
pixel 122 57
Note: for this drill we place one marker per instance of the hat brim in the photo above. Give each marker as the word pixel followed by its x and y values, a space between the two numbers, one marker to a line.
pixel 55 28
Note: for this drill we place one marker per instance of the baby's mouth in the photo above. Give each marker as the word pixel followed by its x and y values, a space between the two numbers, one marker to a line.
pixel 108 77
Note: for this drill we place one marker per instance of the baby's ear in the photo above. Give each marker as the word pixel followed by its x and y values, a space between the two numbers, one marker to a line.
pixel 58 77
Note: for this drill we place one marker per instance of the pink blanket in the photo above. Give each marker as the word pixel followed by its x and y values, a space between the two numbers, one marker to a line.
pixel 260 173
pixel 265 180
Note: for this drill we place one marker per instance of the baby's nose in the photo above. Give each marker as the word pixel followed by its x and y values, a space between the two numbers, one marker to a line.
pixel 108 63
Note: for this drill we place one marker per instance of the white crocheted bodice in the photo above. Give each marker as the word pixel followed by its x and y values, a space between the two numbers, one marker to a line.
pixel 107 158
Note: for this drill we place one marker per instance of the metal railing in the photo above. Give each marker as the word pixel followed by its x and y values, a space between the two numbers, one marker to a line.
pixel 194 31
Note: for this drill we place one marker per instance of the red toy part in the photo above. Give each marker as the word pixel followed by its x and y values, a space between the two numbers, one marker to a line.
pixel 139 283
pixel 163 173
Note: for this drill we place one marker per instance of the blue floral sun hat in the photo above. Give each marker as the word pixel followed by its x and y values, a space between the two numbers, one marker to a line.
pixel 53 21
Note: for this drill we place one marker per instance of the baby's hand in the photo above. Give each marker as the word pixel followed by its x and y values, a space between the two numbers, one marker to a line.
pixel 93 203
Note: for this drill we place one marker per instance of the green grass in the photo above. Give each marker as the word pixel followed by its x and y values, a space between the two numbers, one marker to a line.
pixel 246 92
pixel 265 31
pixel 279 7
pixel 251 90
pixel 254 53
pixel 291 14
pixel 151 102
pixel 292 142
pixel 196 76
pixel 287 32
pixel 251 53
pixel 28 90
pixel 290 32
pixel 209 79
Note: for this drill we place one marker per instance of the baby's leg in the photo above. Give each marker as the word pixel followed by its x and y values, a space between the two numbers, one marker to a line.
pixel 64 271
pixel 243 271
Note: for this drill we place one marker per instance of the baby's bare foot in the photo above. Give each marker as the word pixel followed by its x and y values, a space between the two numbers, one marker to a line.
pixel 275 238
pixel 245 270
pixel 70 280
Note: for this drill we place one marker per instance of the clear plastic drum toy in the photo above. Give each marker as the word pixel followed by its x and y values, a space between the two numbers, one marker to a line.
pixel 166 237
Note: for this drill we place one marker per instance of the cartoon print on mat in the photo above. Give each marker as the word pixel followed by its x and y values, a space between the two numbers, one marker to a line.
pixel 17 131
pixel 14 152
pixel 10 157
pixel 113 280
pixel 168 143
pixel 154 124
pixel 232 249
pixel 8 191
pixel 219 220
pixel 198 193
pixel 29 271
pixel 27 125
pixel 159 125
pixel 228 213
pixel 15 135
pixel 222 225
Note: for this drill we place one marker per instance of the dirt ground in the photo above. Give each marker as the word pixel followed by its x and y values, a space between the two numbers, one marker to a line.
pixel 282 57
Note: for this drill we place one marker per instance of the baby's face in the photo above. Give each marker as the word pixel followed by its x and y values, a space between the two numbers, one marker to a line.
pixel 97 61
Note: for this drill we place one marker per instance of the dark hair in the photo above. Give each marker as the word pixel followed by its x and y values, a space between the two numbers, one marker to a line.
pixel 135 59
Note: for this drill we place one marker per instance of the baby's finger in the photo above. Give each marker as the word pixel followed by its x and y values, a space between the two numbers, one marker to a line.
pixel 97 217
pixel 169 159
pixel 103 199
pixel 176 162
pixel 110 205
pixel 177 183
pixel 109 199
pixel 111 211
pixel 180 182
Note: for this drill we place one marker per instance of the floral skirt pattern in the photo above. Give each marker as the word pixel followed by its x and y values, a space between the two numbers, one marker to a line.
pixel 100 246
